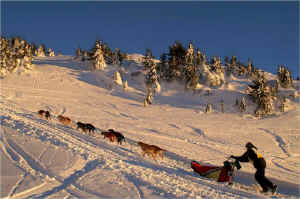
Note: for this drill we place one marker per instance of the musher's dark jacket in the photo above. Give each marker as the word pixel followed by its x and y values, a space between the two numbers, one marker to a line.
pixel 252 156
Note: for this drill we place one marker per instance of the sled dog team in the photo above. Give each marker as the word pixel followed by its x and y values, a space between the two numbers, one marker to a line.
pixel 251 154
pixel 111 135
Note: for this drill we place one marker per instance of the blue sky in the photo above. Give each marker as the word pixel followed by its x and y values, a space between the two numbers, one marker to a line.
pixel 266 32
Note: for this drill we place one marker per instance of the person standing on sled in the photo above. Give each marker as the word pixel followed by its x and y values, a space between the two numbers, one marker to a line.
pixel 259 163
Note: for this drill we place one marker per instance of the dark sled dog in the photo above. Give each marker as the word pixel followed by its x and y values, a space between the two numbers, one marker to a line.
pixel 44 114
pixel 90 128
pixel 111 136
pixel 82 126
pixel 119 136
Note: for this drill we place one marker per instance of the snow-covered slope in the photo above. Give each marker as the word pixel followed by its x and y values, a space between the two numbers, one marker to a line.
pixel 44 159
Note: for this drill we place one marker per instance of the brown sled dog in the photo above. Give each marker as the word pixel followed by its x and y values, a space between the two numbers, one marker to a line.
pixel 65 120
pixel 151 150
pixel 110 135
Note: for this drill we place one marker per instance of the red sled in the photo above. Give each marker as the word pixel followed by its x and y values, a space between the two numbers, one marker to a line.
pixel 220 174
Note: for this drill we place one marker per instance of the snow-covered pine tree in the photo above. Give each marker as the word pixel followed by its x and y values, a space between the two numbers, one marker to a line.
pixel 228 68
pixel 15 53
pixel 27 60
pixel 177 60
pixel 163 68
pixel 148 60
pixel 250 68
pixel 178 51
pixel 116 57
pixel 107 53
pixel 173 70
pixel 78 53
pixel 284 77
pixel 98 62
pixel 198 58
pixel 51 52
pixel 41 51
pixel 85 55
pixel 233 61
pixel 151 78
pixel 190 71
pixel 260 93
pixel 189 56
pixel 204 59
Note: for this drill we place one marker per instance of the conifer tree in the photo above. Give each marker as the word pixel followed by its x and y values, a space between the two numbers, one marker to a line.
pixel 197 59
pixel 284 77
pixel 162 67
pixel 117 57
pixel 41 51
pixel 151 78
pixel 261 94
pixel 99 61
pixel 190 69
pixel 178 51
pixel 78 53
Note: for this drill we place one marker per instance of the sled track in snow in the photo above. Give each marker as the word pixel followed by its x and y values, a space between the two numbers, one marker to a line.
pixel 92 149
pixel 70 139
pixel 108 154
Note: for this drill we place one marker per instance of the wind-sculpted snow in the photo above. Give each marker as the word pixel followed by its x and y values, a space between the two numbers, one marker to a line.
pixel 45 159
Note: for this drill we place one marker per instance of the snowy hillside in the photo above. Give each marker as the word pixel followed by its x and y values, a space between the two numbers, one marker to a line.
pixel 45 159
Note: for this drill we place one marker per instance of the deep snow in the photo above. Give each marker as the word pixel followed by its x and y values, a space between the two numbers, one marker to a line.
pixel 44 159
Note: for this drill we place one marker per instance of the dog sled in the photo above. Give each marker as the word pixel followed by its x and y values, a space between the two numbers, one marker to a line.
pixel 219 173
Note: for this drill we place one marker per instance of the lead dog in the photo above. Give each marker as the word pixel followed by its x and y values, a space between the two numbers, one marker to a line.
pixel 152 150
pixel 44 114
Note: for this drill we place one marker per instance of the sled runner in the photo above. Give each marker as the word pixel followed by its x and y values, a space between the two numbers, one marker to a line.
pixel 221 174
